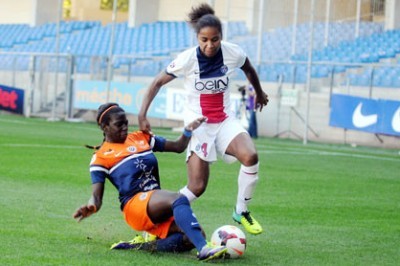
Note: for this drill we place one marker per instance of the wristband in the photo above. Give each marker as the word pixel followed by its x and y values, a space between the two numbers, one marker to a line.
pixel 187 133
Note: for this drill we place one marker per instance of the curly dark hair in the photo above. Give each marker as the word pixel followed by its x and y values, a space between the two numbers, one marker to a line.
pixel 204 16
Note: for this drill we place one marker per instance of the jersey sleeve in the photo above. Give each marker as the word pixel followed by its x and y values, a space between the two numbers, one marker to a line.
pixel 97 177
pixel 157 143
pixel 98 173
pixel 177 67
pixel 232 50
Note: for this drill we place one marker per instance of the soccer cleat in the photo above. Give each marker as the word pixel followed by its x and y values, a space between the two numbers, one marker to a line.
pixel 148 246
pixel 137 240
pixel 126 245
pixel 147 237
pixel 249 223
pixel 138 243
pixel 209 252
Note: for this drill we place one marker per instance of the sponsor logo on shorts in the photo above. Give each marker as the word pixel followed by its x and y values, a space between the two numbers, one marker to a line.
pixel 202 148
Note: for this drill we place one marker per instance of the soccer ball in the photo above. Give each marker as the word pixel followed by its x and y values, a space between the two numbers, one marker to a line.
pixel 231 237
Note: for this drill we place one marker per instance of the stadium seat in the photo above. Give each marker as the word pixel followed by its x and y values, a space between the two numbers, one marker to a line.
pixel 164 38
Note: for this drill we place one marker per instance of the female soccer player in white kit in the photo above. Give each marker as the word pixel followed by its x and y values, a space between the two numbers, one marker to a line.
pixel 206 70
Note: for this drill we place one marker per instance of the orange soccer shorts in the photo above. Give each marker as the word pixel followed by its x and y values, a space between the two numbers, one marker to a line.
pixel 135 213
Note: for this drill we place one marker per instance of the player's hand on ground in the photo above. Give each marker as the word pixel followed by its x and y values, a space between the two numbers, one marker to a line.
pixel 196 123
pixel 84 211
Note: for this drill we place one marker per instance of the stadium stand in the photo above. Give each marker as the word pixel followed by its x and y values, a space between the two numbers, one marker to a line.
pixel 88 39
pixel 343 47
pixel 374 49
pixel 85 39
pixel 21 38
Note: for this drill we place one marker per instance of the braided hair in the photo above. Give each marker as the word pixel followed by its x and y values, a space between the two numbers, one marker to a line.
pixel 104 113
pixel 204 16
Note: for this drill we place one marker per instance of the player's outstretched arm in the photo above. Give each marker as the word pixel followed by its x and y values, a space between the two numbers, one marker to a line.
pixel 161 79
pixel 181 143
pixel 251 74
pixel 93 205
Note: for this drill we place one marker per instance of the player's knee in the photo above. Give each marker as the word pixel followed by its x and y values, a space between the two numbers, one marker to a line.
pixel 250 159
pixel 181 200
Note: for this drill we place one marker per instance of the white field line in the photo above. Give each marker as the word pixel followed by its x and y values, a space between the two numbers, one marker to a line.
pixel 260 151
pixel 327 153
pixel 167 133
pixel 311 147
pixel 14 121
pixel 29 122
pixel 20 145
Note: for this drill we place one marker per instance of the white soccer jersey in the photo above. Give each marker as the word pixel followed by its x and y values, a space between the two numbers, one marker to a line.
pixel 207 80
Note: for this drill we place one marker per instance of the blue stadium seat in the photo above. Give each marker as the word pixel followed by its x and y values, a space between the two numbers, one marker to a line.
pixel 165 37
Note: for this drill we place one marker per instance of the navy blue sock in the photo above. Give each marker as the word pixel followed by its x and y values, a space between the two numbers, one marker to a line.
pixel 187 222
pixel 173 243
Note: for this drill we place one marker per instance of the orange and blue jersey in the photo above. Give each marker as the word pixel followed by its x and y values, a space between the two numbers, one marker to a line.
pixel 131 166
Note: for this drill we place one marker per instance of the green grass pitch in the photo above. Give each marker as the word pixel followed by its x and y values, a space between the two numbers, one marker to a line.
pixel 319 204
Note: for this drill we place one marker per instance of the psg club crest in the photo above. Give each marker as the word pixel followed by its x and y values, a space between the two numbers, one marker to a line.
pixel 224 69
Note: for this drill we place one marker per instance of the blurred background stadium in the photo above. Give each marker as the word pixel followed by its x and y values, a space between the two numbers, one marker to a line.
pixel 330 67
